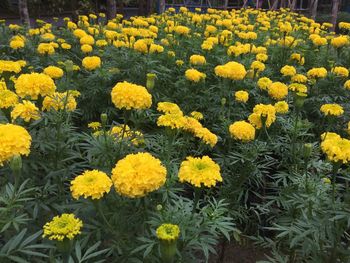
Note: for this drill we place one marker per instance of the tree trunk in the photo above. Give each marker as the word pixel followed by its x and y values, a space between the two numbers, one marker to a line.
pixel 161 6
pixel 274 5
pixel 335 9
pixel 120 7
pixel 111 9
pixel 313 8
pixel 23 12
pixel 292 6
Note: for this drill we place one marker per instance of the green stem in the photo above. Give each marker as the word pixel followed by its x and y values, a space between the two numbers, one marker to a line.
pixel 197 193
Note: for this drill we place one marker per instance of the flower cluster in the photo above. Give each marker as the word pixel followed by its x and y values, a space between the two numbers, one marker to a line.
pixel 65 226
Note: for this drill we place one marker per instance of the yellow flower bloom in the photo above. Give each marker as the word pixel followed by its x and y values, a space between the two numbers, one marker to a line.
pixel 200 172
pixel 241 96
pixel 59 101
pixel 278 90
pixel 242 130
pixel 332 109
pixel 34 84
pixel 340 72
pixel 91 63
pixel 63 226
pixel 231 70
pixel 197 60
pixel 194 75
pixel 336 148
pixel 262 113
pixel 53 72
pixel 288 71
pixel 264 83
pixel 281 107
pixel 138 174
pixel 92 184
pixel 131 96
pixel 25 110
pixel 197 115
pixel 168 232
pixel 169 108
pixel 14 140
pixel 317 73
pixel 94 125
pixel 7 99
pixel 340 41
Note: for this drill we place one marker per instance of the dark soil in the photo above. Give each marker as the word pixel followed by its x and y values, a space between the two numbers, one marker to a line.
pixel 236 253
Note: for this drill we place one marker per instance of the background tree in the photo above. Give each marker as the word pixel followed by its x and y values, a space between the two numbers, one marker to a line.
pixel 111 9
pixel 335 10
pixel 23 12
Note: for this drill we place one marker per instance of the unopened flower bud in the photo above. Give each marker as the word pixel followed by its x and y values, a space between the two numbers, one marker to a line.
pixel 104 118
pixel 223 101
pixel 150 80
pixel 16 163
pixel 307 150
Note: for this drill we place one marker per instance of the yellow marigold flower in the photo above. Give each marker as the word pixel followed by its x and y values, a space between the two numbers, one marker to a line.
pixel 261 57
pixel 194 75
pixel 197 115
pixel 281 107
pixel 48 37
pixel 10 66
pixel 92 184
pixel 138 174
pixel 153 48
pixel 179 62
pixel 317 73
pixel 319 41
pixel 300 78
pixel 169 108
pixel 231 70
pixel 79 33
pixel 341 72
pixel 168 232
pixel 288 71
pixel 264 83
pixel 101 43
pixel 46 49
pixel 59 101
pixel 14 140
pixel 131 96
pixel 91 63
pixel 63 226
pixel 120 132
pixel 200 171
pixel 344 25
pixel 53 72
pixel 87 40
pixel 182 30
pixel 332 109
pixel 17 44
pixel 336 148
pixel 257 66
pixel 3 85
pixel 142 45
pixel 241 96
pixel 298 87
pixel 66 46
pixel 262 113
pixel 340 41
pixel 347 84
pixel 34 84
pixel 242 130
pixel 206 136
pixel 94 125
pixel 171 120
pixel 25 110
pixel 197 60
pixel 278 90
pixel 86 48
pixel 7 99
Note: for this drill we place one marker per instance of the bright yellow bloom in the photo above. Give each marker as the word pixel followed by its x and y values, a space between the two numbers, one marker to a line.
pixel 340 72
pixel 168 232
pixel 347 84
pixel 138 174
pixel 194 75
pixel 264 83
pixel 129 96
pixel 197 60
pixel 34 84
pixel 53 72
pixel 14 140
pixel 86 48
pixel 197 115
pixel 9 66
pixel 242 130
pixel 200 172
pixel 336 148
pixel 63 226
pixel 94 125
pixel 59 101
pixel 26 111
pixel 172 120
pixel 241 96
pixel 278 90
pixel 231 70
pixel 288 71
pixel 91 63
pixel 300 78
pixel 92 184
pixel 332 109
pixel 7 99
pixel 46 49
pixel 340 41
pixel 317 73
pixel 281 107
pixel 262 113
pixel 169 108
